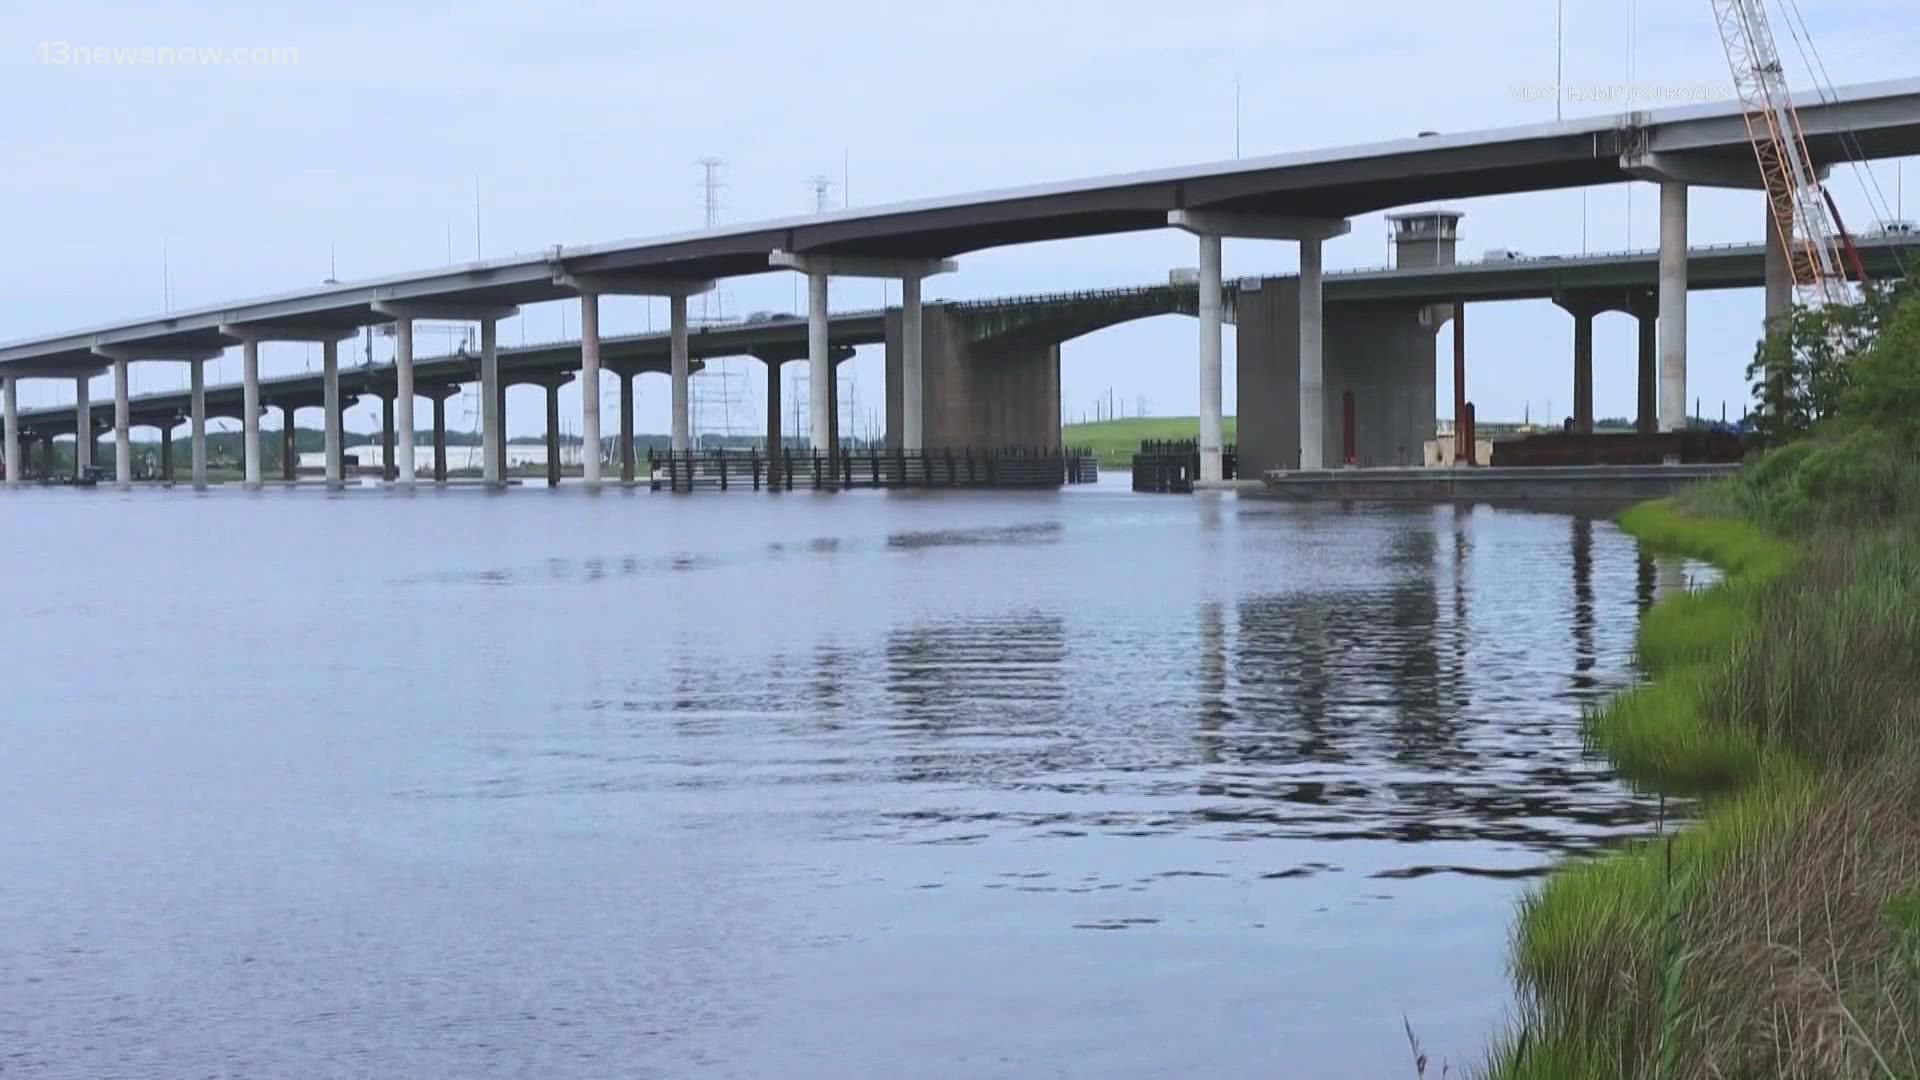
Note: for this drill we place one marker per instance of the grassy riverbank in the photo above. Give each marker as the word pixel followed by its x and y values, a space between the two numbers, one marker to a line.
pixel 1115 442
pixel 1779 933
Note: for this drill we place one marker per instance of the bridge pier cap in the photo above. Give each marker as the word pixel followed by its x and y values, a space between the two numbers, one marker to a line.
pixel 860 265
pixel 1211 227
pixel 1257 226
pixel 615 284
pixel 1698 170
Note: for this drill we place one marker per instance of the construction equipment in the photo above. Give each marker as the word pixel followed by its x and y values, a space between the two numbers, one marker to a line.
pixel 1803 213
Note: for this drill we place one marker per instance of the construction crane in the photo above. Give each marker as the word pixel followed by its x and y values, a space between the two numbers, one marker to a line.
pixel 1804 215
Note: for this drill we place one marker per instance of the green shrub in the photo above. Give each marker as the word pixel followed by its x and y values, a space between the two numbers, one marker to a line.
pixel 1861 477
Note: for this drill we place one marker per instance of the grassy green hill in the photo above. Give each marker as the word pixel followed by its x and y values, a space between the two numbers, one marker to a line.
pixel 1116 441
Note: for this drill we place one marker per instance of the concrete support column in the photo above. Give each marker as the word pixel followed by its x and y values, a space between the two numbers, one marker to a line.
pixel 833 407
pixel 1779 275
pixel 1647 419
pixel 774 437
pixel 680 362
pixel 493 437
pixel 1210 394
pixel 912 384
pixel 1583 372
pixel 166 449
pixel 330 405
pixel 553 434
pixel 82 427
pixel 626 426
pixel 1463 439
pixel 1313 406
pixel 439 438
pixel 122 428
pixel 250 408
pixel 590 387
pixel 820 374
pixel 387 472
pixel 289 446
pixel 1673 305
pixel 500 444
pixel 197 376
pixel 402 404
pixel 341 413
pixel 10 419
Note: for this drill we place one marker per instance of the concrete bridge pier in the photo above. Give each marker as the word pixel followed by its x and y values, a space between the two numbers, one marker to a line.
pixel 1646 313
pixel 589 387
pixel 387 469
pixel 400 406
pixel 10 410
pixel 120 361
pixel 776 361
pixel 289 445
pixel 594 285
pixel 628 441
pixel 498 454
pixel 912 348
pixel 1673 305
pixel 330 406
pixel 1677 173
pixel 122 428
pixel 166 449
pixel 1583 312
pixel 773 415
pixel 493 414
pixel 553 433
pixel 1779 274
pixel 439 396
pixel 822 380
pixel 1583 372
pixel 823 370
pixel 1211 227
pixel 250 408
pixel 404 313
pixel 197 408
pixel 1643 305
pixel 626 426
pixel 250 336
pixel 680 363
pixel 82 427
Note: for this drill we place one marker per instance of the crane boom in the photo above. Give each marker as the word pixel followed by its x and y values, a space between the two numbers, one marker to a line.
pixel 1802 214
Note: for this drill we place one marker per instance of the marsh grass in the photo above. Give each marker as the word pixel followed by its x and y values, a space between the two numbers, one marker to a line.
pixel 1780 934
pixel 1660 739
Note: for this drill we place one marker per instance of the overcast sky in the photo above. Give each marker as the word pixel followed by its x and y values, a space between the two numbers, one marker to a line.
pixel 582 121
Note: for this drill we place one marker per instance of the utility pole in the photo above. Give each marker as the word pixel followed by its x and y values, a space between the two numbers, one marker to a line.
pixel 1236 119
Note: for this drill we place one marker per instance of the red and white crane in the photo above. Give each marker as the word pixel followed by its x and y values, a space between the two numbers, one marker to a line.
pixel 1803 212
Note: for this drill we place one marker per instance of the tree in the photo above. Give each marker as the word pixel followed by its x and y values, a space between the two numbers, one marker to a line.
pixel 1883 385
pixel 1801 370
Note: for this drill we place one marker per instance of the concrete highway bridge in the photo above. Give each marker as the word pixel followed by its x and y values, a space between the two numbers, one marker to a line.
pixel 1019 338
pixel 987 374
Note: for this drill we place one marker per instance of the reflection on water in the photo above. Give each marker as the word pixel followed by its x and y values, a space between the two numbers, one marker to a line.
pixel 969 785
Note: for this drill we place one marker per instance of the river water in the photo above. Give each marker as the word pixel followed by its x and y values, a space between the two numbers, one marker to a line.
pixel 935 784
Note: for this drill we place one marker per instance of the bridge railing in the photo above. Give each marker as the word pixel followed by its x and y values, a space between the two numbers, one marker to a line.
pixel 869 467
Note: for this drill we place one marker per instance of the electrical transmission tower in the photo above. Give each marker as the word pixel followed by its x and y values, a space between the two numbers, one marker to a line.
pixel 717 387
